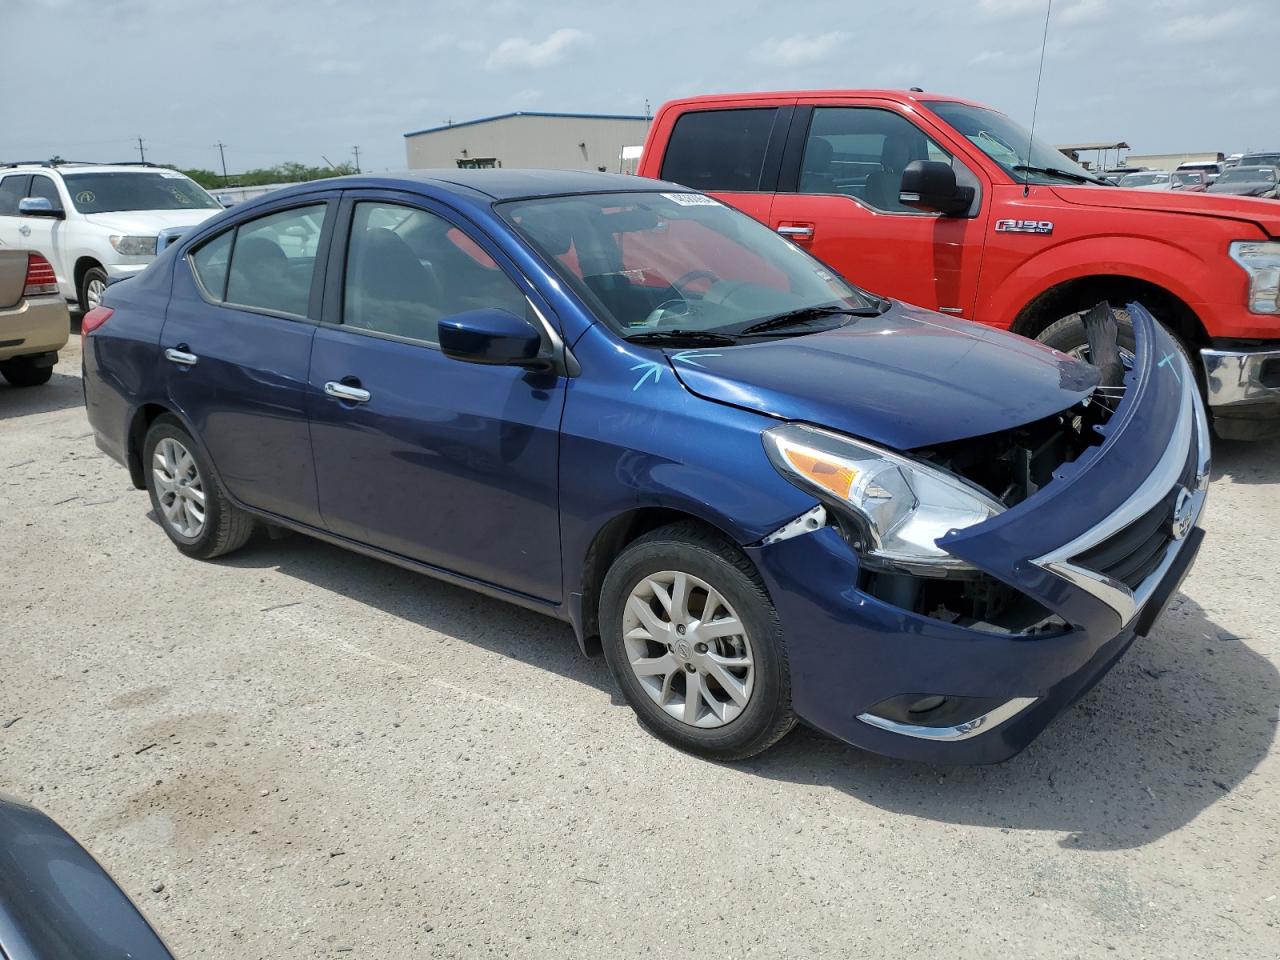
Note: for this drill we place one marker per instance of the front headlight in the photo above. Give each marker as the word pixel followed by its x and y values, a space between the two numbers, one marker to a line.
pixel 1262 262
pixel 134 246
pixel 900 507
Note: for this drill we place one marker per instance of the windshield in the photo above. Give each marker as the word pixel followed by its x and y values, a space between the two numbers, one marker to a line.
pixel 1143 179
pixel 1009 144
pixel 136 190
pixel 661 262
pixel 1184 177
pixel 1248 175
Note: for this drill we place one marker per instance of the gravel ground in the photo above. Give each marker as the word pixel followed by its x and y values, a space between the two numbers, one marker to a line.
pixel 316 753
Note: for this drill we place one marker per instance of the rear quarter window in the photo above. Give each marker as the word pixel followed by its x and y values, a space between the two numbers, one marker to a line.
pixel 719 150
pixel 210 264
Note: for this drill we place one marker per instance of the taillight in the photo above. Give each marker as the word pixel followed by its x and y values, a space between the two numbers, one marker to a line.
pixel 41 280
pixel 95 318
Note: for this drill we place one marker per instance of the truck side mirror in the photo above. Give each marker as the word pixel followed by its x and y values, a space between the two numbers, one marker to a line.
pixel 930 185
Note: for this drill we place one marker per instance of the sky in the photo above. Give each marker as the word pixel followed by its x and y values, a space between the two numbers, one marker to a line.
pixel 301 80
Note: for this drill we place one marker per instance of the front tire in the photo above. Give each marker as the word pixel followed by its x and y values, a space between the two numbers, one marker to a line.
pixel 695 645
pixel 92 286
pixel 23 372
pixel 1069 336
pixel 192 507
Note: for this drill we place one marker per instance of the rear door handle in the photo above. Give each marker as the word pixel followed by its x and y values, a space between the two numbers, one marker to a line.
pixel 796 231
pixel 180 356
pixel 343 391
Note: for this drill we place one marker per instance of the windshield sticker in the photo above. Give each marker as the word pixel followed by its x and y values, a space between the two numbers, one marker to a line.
pixel 86 196
pixel 692 199
pixel 652 369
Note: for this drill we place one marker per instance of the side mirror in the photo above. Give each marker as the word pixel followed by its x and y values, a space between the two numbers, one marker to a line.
pixel 494 337
pixel 40 207
pixel 930 185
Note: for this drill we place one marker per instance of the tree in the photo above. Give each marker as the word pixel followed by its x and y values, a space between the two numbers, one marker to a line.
pixel 291 172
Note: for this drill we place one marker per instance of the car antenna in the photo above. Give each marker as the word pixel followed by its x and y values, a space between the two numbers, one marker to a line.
pixel 1026 174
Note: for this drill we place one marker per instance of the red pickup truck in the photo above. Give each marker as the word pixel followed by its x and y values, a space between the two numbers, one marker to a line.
pixel 951 205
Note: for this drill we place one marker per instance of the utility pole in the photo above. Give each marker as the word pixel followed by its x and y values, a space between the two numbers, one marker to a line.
pixel 142 154
pixel 223 155
pixel 356 150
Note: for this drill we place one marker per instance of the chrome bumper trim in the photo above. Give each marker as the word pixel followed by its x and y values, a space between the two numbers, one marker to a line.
pixel 1126 602
pixel 961 731
pixel 1235 376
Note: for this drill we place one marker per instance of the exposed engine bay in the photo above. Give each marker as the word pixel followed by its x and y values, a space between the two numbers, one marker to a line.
pixel 1012 466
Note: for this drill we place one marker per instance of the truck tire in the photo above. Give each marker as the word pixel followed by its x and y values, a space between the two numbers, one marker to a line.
pixel 22 372
pixel 1068 335
pixel 92 285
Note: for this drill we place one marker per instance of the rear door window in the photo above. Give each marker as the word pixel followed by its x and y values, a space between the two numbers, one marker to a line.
pixel 719 150
pixel 273 260
pixel 12 189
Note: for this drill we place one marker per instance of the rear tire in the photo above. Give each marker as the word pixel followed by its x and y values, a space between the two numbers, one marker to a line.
pixel 23 372
pixel 667 644
pixel 190 504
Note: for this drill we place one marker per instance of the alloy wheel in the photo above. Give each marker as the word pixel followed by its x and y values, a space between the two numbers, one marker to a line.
pixel 93 291
pixel 688 648
pixel 179 487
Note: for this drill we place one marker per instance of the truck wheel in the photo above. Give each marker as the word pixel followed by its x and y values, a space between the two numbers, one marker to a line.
pixel 22 372
pixel 694 643
pixel 92 286
pixel 192 508
pixel 1068 335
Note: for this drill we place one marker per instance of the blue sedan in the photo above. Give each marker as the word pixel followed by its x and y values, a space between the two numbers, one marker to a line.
pixel 765 495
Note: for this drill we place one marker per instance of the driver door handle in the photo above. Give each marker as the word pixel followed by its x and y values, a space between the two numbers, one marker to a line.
pixel 343 391
pixel 796 231
pixel 181 357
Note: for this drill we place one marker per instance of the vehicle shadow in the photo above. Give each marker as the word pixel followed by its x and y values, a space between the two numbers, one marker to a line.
pixel 428 603
pixel 61 393
pixel 1182 720
pixel 1247 462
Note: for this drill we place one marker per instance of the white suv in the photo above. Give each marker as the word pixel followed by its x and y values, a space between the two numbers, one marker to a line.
pixel 96 221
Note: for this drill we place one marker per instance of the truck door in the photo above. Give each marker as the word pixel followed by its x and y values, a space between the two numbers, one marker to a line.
pixel 733 153
pixel 838 198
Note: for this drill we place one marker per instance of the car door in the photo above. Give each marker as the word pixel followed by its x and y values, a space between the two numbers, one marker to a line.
pixel 45 233
pixel 733 153
pixel 451 464
pixel 236 347
pixel 838 198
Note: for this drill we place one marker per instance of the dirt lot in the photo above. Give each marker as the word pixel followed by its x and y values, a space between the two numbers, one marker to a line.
pixel 315 753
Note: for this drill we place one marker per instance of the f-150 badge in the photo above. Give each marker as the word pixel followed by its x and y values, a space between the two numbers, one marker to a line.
pixel 1024 226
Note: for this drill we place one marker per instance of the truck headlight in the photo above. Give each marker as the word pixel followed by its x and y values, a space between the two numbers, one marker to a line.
pixel 900 507
pixel 134 246
pixel 1261 261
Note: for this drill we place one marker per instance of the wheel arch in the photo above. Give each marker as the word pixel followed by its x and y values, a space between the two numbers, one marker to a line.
pixel 614 536
pixel 1080 293
pixel 83 265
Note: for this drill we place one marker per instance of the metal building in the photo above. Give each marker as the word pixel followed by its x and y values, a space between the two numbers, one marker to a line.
pixel 563 141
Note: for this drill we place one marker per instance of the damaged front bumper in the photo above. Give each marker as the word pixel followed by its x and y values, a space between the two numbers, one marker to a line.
pixel 1100 549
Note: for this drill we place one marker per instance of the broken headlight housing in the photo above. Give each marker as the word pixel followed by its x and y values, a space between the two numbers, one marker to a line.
pixel 896 507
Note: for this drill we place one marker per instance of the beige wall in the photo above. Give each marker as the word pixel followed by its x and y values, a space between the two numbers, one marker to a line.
pixel 528 141
pixel 1166 161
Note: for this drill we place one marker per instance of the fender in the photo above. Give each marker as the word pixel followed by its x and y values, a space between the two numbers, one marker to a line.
pixel 1148 259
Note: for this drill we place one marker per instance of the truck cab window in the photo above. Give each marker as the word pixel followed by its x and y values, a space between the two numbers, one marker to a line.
pixel 719 150
pixel 861 152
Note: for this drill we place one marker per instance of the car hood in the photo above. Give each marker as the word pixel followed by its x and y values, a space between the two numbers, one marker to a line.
pixel 906 379
pixel 1262 213
pixel 1246 188
pixel 147 223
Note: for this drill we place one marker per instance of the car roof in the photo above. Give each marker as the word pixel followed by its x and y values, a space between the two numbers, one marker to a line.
pixel 67 168
pixel 497 184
